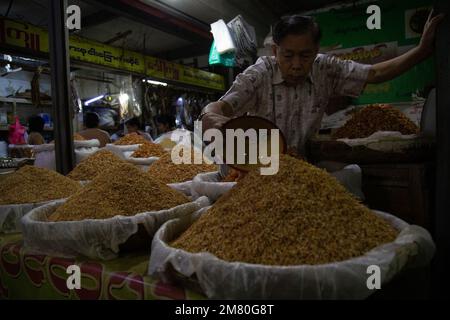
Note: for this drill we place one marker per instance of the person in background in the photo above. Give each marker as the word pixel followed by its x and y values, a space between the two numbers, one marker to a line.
pixel 164 123
pixel 91 131
pixel 293 87
pixel 35 130
pixel 134 126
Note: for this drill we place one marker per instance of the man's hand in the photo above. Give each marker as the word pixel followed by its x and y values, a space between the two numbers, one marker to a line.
pixel 213 120
pixel 390 69
pixel 429 32
pixel 216 114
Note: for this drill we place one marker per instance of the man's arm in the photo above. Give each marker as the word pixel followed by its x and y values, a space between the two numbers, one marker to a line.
pixel 216 114
pixel 241 94
pixel 391 69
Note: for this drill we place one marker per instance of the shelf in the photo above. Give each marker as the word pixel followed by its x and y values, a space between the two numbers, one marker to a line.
pixel 23 101
pixel 3 128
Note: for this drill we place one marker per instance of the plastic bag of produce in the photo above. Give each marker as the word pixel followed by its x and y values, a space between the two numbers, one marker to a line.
pixel 94 238
pixel 218 279
pixel 209 184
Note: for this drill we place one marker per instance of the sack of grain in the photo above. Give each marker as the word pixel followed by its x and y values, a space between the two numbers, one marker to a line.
pixel 10 215
pixel 183 187
pixel 219 279
pixel 94 165
pixel 210 185
pixel 45 156
pixel 170 139
pixel 295 234
pixel 106 213
pixel 351 178
pixel 142 163
pixel 119 150
pixel 28 188
pixel 94 238
pixel 85 148
pixel 45 153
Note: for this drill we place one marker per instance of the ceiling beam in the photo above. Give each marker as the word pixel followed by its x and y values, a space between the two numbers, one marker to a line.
pixel 185 52
pixel 117 37
pixel 97 18
pixel 183 27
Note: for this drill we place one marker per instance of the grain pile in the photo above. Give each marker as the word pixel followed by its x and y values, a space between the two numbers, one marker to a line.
pixel 93 165
pixel 301 215
pixel 121 190
pixel 78 137
pixel 149 149
pixel 168 172
pixel 131 138
pixel 32 185
pixel 373 118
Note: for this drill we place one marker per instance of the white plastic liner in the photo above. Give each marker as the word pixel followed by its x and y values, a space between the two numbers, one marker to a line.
pixel 218 279
pixel 93 238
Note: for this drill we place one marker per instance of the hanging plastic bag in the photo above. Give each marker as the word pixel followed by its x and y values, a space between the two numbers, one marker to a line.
pixel 17 133
pixel 226 59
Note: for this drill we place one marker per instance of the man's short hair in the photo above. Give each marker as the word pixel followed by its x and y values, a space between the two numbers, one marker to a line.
pixel 296 25
pixel 134 122
pixel 166 120
pixel 91 120
pixel 36 124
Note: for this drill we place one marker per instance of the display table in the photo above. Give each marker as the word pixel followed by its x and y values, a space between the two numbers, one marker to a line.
pixel 28 276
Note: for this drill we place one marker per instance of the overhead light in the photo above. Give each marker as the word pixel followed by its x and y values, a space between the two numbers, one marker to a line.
pixel 158 83
pixel 94 99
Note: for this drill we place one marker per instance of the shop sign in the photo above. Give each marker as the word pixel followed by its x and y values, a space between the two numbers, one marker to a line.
pixel 370 54
pixel 34 39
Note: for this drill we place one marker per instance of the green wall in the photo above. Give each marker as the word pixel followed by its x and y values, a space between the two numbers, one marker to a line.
pixel 347 26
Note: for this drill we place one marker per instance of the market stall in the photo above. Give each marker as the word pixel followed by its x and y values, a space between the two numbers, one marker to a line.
pixel 129 200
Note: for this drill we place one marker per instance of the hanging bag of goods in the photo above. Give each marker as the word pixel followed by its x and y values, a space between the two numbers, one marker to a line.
pixel 28 188
pixel 119 210
pixel 294 235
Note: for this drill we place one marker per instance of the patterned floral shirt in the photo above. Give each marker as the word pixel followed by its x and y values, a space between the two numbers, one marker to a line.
pixel 261 91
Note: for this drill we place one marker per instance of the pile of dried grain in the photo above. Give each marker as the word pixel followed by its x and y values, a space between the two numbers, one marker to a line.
pixel 301 215
pixel 149 149
pixel 93 165
pixel 373 118
pixel 121 190
pixel 131 138
pixel 78 137
pixel 32 185
pixel 168 172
